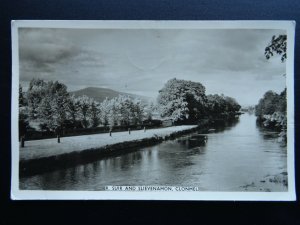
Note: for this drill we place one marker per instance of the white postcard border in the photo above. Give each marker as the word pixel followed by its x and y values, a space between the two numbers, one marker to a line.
pixel 290 195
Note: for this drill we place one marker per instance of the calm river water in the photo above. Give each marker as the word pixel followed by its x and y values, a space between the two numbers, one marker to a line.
pixel 239 157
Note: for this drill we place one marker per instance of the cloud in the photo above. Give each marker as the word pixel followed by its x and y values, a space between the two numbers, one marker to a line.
pixel 141 60
pixel 40 50
pixel 52 54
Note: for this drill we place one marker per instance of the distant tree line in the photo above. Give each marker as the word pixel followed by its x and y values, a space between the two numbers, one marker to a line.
pixel 186 101
pixel 248 109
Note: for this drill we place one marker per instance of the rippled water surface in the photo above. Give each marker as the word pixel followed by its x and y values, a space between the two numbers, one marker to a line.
pixel 239 157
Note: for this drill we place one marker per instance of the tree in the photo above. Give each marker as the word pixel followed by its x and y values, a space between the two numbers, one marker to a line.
pixel 36 92
pixel 84 104
pixel 267 105
pixel 278 46
pixel 60 99
pixel 126 107
pixel 23 113
pixel 182 100
pixel 47 103
pixel 216 104
pixel 73 111
pixel 121 110
pixel 94 114
pixel 104 108
pixel 110 112
pixel 52 109
pixel 45 114
pixel 138 111
pixel 271 110
pixel 113 116
pixel 221 105
pixel 231 105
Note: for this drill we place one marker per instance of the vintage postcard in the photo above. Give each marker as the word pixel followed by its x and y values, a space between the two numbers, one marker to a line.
pixel 153 110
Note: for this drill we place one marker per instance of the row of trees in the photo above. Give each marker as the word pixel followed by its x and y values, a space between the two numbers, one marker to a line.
pixel 51 106
pixel 122 110
pixel 183 100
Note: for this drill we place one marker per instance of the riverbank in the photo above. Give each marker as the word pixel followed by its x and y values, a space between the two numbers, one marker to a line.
pixel 45 155
pixel 268 183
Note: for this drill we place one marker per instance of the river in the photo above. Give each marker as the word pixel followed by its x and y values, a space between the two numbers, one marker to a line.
pixel 239 157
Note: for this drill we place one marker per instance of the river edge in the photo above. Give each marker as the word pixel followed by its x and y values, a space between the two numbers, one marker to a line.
pixel 268 182
pixel 36 166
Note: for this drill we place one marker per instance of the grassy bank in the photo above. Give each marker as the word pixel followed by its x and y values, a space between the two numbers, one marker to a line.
pixel 46 155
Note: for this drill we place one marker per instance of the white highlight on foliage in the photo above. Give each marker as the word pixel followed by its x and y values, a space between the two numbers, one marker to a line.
pixel 179 99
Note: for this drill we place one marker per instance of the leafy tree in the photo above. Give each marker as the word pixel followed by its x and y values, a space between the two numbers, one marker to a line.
pixel 114 115
pixel 45 114
pixel 271 110
pixel 47 103
pixel 278 45
pixel 126 107
pixel 231 105
pixel 104 108
pixel 182 100
pixel 138 113
pixel 60 99
pixel 216 104
pixel 36 92
pixel 110 112
pixel 84 104
pixel 267 105
pixel 73 111
pixel 221 105
pixel 121 110
pixel 52 109
pixel 23 113
pixel 94 114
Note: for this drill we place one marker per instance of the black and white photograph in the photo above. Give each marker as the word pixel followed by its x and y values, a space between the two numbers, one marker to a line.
pixel 160 110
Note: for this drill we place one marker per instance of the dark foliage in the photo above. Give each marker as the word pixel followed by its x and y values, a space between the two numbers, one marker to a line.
pixel 278 45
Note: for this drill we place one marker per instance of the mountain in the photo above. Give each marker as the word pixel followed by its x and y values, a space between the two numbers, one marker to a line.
pixel 99 94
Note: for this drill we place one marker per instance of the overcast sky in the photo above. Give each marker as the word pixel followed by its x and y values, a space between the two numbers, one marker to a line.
pixel 139 61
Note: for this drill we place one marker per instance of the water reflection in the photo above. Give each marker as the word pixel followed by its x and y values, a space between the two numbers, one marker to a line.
pixel 222 126
pixel 223 159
